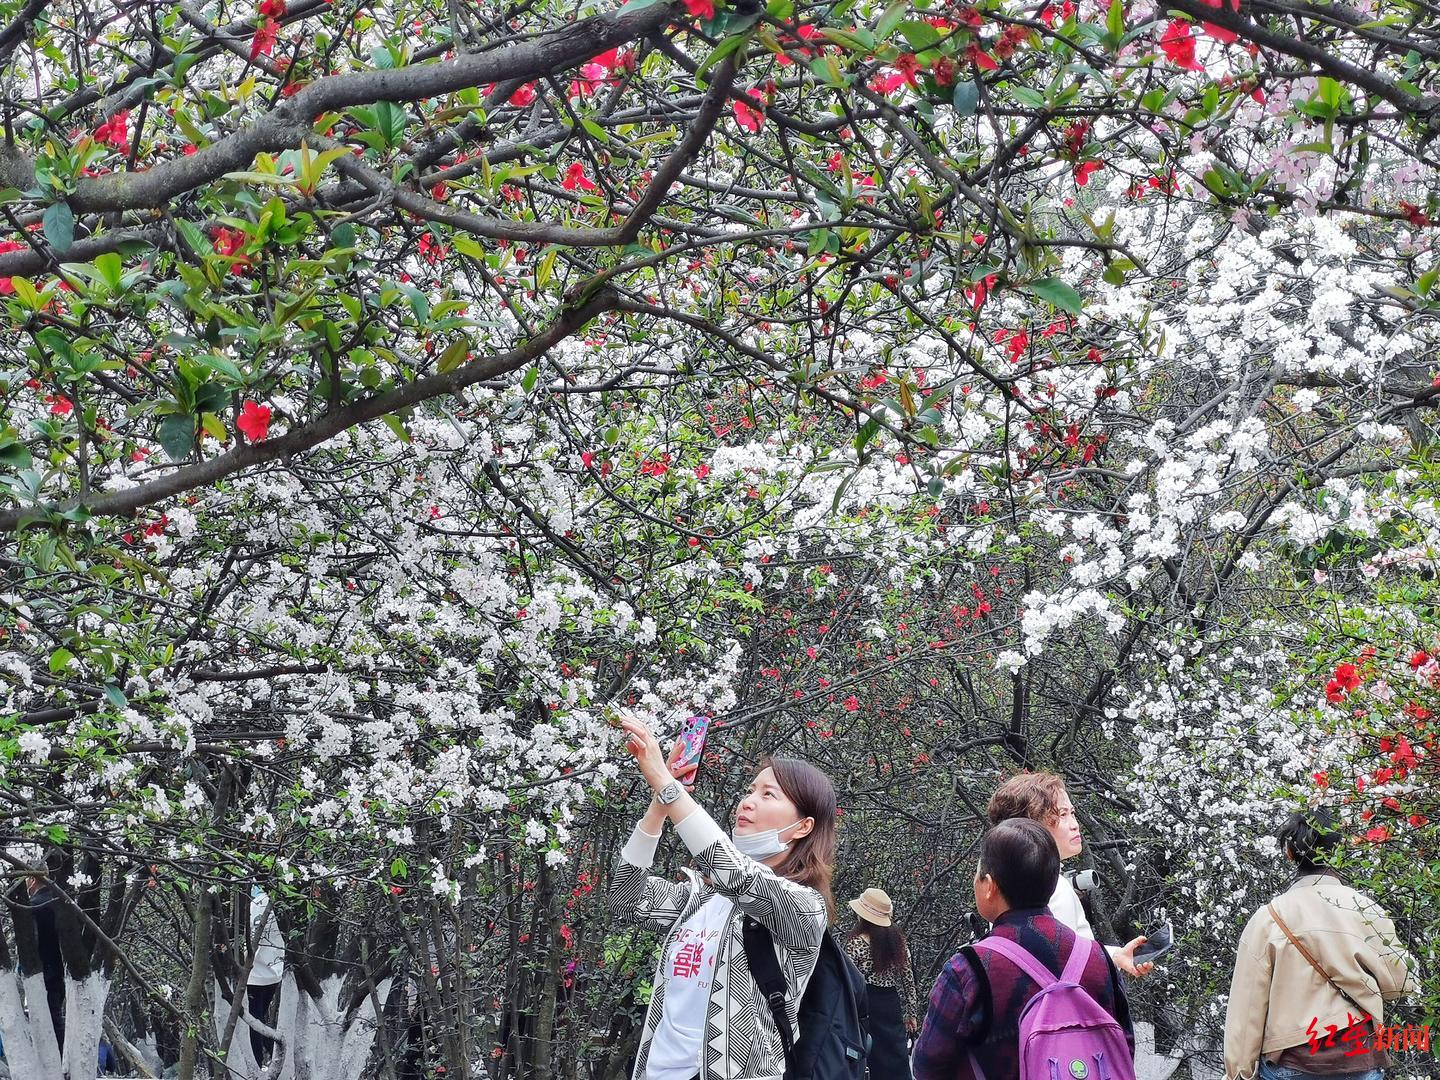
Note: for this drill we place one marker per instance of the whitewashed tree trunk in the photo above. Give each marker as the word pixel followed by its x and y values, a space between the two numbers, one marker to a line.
pixel 84 1016
pixel 319 1044
pixel 31 1049
pixel 240 1063
pixel 360 1036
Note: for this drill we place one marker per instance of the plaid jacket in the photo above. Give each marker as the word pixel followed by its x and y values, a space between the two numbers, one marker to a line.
pixel 741 1041
pixel 974 1016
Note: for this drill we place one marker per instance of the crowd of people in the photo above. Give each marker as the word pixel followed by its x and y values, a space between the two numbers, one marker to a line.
pixel 749 984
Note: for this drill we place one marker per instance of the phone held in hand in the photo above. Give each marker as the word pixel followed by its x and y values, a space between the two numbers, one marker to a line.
pixel 1156 944
pixel 692 745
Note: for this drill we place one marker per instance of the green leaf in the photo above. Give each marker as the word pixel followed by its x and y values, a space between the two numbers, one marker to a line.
pixel 1427 281
pixel 967 97
pixel 59 226
pixel 60 660
pixel 395 424
pixel 531 377
pixel 867 431
pixel 214 426
pixel 116 697
pixel 453 356
pixel 724 49
pixel 891 18
pixel 1056 292
pixel 177 435
pixel 14 455
pixel 920 35
pixel 1115 22
pixel 111 269
pixel 390 121
pixel 194 238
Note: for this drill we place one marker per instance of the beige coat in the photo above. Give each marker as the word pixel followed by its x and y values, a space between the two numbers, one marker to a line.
pixel 1275 994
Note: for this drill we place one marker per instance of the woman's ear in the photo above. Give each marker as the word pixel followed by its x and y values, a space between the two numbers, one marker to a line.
pixel 805 828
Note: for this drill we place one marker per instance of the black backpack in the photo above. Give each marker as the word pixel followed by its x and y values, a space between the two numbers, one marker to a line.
pixel 834 1013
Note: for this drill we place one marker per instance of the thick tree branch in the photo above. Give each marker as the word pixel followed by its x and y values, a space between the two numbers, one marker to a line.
pixel 289 123
pixel 310 435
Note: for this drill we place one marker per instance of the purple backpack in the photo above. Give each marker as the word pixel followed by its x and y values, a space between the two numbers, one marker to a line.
pixel 1064 1033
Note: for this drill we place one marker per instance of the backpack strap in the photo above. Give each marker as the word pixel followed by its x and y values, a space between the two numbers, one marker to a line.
pixel 1020 957
pixel 1080 954
pixel 765 967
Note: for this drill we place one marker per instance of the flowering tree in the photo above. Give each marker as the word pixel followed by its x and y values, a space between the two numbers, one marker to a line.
pixel 933 389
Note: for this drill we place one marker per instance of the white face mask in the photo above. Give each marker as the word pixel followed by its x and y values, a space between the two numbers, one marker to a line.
pixel 761 845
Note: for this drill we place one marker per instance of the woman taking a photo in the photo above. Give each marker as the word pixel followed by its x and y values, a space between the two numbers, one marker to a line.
pixel 707 1019
pixel 879 951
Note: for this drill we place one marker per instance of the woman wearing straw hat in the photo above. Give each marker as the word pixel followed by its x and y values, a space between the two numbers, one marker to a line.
pixel 878 949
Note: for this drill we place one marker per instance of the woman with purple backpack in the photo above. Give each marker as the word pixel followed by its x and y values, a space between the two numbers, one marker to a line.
pixel 1032 997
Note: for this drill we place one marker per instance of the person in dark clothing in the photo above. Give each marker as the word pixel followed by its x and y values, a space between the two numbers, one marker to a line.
pixel 975 1007
pixel 879 951
pixel 43 901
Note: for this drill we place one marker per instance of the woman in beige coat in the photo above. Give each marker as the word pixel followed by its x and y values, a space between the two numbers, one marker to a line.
pixel 1314 970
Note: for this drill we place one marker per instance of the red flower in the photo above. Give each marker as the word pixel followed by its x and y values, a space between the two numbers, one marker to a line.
pixel 700 9
pixel 524 95
pixel 431 249
pixel 1419 659
pixel 1179 46
pixel 1219 33
pixel 1322 780
pixel 1379 834
pixel 272 9
pixel 852 703
pixel 1414 215
pixel 264 40
pixel 747 116
pixel 1084 171
pixel 113 132
pixel 1348 676
pixel 980 58
pixel 1419 820
pixel 1404 754
pixel 702 471
pixel 60 405
pixel 909 67
pixel 1334 692
pixel 575 178
pixel 254 422
pixel 1011 38
pixel 944 69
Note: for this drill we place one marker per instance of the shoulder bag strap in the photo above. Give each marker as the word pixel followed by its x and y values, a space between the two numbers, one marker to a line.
pixel 1315 963
pixel 765 967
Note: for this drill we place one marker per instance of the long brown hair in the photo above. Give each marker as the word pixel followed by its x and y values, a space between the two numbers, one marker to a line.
pixel 810 860
pixel 887 945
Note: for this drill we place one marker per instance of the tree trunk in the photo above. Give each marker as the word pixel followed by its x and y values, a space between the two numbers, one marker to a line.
pixel 195 996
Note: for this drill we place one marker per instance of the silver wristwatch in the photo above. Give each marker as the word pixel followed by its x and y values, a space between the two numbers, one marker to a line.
pixel 669 793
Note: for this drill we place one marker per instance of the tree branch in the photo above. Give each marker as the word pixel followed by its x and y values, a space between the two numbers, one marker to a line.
pixel 308 436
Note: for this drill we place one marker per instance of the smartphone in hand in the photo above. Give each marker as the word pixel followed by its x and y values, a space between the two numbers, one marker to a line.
pixel 685 763
pixel 1156 944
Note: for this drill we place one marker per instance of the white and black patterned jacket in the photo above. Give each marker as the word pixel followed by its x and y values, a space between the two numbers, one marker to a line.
pixel 741 1041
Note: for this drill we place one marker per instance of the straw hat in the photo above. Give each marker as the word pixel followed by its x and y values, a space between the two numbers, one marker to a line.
pixel 873 905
